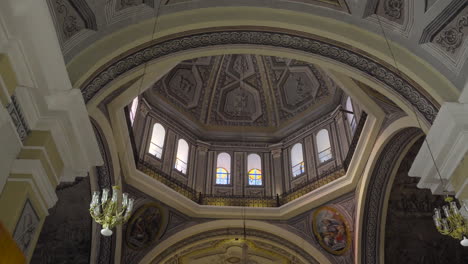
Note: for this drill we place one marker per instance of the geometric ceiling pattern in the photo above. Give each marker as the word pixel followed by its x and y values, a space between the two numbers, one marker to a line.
pixel 246 90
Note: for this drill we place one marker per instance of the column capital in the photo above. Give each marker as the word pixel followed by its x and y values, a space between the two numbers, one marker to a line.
pixel 276 153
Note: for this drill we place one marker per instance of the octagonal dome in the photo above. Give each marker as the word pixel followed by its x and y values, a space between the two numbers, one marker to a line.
pixel 264 97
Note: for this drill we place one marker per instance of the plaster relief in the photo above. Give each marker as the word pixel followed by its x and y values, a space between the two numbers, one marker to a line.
pixel 452 36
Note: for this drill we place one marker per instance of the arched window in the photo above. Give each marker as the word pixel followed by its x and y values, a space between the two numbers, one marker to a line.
pixel 133 109
pixel 297 160
pixel 323 145
pixel 223 168
pixel 351 117
pixel 182 156
pixel 254 165
pixel 157 140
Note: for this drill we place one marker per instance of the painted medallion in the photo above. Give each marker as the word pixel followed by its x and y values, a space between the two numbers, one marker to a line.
pixel 331 230
pixel 144 227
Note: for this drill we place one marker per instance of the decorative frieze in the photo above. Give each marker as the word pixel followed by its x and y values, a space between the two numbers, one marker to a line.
pixel 16 114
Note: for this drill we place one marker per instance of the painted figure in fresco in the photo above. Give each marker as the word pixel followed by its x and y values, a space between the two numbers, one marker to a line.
pixel 145 227
pixel 333 233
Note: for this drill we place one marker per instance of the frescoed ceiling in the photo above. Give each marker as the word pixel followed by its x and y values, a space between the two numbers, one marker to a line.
pixel 257 93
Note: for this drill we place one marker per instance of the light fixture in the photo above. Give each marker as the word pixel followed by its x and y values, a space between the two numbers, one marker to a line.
pixel 107 212
pixel 454 224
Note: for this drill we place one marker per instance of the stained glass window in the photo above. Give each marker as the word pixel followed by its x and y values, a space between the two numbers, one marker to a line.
pixel 223 168
pixel 254 162
pixel 222 176
pixel 255 177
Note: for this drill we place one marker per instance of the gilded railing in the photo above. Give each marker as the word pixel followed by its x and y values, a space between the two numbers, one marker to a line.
pixel 305 188
pixel 238 200
pixel 172 183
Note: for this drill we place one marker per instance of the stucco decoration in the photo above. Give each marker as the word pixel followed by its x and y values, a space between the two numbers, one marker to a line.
pixel 25 229
pixel 351 58
pixel 187 85
pixel 410 235
pixel 242 100
pixel 375 197
pixel 393 15
pixel 67 230
pixel 452 37
pixel 245 90
pixel 74 21
pixel 251 234
pixel 122 10
pixel 231 251
pixel 446 36
pixel 17 116
pixel 340 5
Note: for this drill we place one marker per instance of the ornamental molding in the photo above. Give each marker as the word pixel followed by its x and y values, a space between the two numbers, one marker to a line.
pixel 445 37
pixel 451 38
pixel 228 232
pixel 375 197
pixel 366 64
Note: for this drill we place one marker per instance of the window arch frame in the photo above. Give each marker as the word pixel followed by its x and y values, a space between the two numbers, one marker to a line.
pixel 180 165
pixel 156 147
pixel 228 170
pixel 258 177
pixel 299 166
pixel 323 153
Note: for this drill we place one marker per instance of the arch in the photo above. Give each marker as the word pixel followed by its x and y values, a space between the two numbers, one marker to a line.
pixel 223 168
pixel 297 160
pixel 350 116
pixel 254 169
pixel 181 162
pixel 324 150
pixel 376 192
pixel 288 44
pixel 232 228
pixel 157 141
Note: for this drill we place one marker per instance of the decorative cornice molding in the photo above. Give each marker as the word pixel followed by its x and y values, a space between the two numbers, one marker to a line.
pixel 345 55
pixel 375 197
pixel 252 233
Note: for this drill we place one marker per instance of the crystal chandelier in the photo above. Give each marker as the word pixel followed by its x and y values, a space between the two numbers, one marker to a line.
pixel 454 224
pixel 107 213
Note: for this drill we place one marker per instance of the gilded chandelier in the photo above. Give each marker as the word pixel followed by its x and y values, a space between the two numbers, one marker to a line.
pixel 454 224
pixel 107 212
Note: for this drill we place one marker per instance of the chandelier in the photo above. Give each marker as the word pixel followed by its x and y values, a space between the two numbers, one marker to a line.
pixel 454 224
pixel 107 212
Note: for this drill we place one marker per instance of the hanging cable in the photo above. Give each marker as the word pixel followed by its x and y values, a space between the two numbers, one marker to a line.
pixel 413 107
pixel 145 66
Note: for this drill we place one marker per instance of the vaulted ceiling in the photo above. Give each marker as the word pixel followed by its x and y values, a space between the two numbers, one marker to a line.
pixel 257 93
